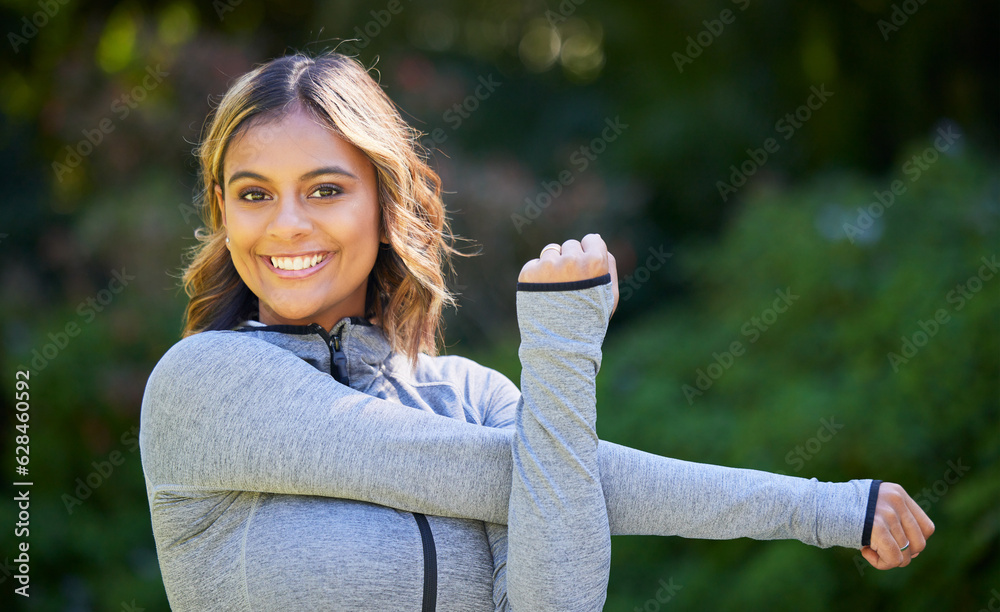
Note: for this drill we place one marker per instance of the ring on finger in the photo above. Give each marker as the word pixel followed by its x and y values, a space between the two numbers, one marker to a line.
pixel 551 247
pixel 907 545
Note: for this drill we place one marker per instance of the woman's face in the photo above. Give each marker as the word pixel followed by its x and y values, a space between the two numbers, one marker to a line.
pixel 302 216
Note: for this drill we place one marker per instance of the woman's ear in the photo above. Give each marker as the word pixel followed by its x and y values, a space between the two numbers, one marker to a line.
pixel 220 202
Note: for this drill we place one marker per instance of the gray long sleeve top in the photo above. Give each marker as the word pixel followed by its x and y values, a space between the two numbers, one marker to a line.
pixel 273 486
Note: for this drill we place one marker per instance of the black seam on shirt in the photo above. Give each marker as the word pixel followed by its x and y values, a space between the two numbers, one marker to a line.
pixel 566 286
pixel 866 534
pixel 430 563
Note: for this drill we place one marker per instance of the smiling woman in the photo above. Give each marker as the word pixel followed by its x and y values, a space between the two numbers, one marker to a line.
pixel 304 448
pixel 304 243
pixel 326 126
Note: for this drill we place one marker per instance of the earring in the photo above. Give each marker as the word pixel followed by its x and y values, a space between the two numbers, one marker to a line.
pixel 227 239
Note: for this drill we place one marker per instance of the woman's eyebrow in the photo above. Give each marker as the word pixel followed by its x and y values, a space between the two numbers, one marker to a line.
pixel 305 177
pixel 328 170
pixel 247 174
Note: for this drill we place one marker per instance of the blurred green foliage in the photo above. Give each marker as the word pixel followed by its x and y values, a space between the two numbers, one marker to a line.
pixel 825 360
pixel 74 73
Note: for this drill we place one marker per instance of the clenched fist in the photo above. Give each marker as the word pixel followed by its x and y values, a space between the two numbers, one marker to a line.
pixel 899 531
pixel 572 261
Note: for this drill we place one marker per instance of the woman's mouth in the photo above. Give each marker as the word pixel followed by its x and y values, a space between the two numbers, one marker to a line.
pixel 297 263
pixel 296 266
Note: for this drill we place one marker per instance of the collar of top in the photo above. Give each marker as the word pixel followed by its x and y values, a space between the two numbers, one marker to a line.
pixel 353 351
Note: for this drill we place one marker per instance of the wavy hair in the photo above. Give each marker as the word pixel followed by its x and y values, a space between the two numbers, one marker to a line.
pixel 406 288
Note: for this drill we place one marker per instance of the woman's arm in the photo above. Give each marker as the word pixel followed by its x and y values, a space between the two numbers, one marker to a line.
pixel 226 411
pixel 559 547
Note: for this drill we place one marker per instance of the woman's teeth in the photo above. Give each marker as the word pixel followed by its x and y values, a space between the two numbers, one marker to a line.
pixel 296 263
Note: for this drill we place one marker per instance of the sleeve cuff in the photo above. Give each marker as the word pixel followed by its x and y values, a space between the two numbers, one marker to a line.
pixel 567 286
pixel 866 535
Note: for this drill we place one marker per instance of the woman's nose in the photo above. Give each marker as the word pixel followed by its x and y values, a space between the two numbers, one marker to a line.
pixel 290 219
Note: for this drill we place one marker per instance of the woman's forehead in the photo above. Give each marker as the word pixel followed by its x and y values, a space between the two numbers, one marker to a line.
pixel 292 142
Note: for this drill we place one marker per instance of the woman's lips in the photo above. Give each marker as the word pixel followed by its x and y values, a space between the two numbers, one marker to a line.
pixel 284 262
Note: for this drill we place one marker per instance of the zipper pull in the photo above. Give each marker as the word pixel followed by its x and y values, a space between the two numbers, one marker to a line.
pixel 339 364
pixel 338 359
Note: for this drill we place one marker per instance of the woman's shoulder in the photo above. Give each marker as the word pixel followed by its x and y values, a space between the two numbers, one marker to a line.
pixel 210 352
pixel 202 344
pixel 471 376
pixel 489 394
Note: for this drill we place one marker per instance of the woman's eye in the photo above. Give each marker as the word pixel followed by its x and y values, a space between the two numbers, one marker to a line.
pixel 324 191
pixel 253 195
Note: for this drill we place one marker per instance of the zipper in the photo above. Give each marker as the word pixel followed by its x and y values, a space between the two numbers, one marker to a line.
pixel 338 359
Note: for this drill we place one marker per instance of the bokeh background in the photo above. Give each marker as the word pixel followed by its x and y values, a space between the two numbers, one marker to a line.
pixel 730 152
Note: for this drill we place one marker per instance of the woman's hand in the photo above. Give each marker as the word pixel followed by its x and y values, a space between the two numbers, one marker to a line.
pixel 898 521
pixel 572 261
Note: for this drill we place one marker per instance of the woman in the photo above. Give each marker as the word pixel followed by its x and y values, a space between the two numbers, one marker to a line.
pixel 303 447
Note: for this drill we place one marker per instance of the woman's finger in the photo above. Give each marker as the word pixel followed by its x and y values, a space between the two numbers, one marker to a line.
pixel 550 252
pixel 572 248
pixel 872 557
pixel 593 243
pixel 596 254
pixel 913 533
pixel 571 261
pixel 923 521
pixel 528 271
pixel 889 539
pixel 613 270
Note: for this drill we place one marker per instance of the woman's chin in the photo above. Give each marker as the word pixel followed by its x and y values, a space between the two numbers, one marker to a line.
pixel 289 316
pixel 303 308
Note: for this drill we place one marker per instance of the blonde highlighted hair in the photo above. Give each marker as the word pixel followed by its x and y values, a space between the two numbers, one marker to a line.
pixel 406 288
